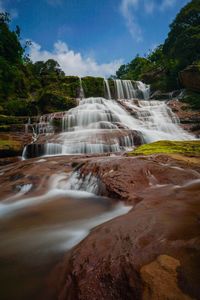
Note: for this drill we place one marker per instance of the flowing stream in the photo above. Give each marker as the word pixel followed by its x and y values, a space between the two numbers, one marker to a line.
pixel 37 230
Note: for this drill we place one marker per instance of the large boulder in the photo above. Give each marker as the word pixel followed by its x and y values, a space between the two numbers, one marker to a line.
pixel 190 77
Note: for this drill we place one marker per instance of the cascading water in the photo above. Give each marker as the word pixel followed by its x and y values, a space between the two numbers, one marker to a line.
pixel 81 93
pixel 127 89
pixel 99 125
pixel 108 93
pixel 119 89
pixel 144 88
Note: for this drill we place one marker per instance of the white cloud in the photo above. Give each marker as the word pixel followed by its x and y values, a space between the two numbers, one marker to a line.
pixel 129 8
pixel 2 8
pixel 126 8
pixel 149 6
pixel 13 12
pixel 167 4
pixel 73 63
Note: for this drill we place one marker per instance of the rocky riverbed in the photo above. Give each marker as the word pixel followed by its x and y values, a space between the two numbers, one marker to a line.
pixel 152 252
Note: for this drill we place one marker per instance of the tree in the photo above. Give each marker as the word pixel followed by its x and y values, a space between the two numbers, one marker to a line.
pixel 183 42
pixel 10 47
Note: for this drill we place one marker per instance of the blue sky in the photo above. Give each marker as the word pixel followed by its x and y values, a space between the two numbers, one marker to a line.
pixel 92 37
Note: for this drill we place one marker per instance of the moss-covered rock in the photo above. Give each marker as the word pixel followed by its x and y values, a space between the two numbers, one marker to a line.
pixel 93 86
pixel 10 147
pixel 168 147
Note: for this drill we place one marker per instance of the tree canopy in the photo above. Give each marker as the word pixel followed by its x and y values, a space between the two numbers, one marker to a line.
pixel 180 49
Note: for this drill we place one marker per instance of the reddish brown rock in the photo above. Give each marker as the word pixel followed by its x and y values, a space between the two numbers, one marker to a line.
pixel 189 119
pixel 113 261
pixel 160 279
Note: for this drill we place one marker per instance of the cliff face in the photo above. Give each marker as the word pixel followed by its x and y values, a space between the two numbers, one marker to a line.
pixel 190 78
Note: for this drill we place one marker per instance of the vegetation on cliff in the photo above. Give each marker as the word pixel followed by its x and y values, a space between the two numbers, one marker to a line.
pixel 181 48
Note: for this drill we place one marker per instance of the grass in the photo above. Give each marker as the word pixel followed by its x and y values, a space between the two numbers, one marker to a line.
pixel 169 147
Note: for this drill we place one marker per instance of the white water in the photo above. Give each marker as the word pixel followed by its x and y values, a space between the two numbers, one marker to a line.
pixel 81 94
pixel 108 93
pixel 98 125
pixel 144 88
pixel 62 236
pixel 128 89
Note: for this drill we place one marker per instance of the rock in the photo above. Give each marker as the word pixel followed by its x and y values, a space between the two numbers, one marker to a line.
pixel 158 95
pixel 12 144
pixel 154 75
pixel 127 257
pixel 189 119
pixel 190 78
pixel 160 279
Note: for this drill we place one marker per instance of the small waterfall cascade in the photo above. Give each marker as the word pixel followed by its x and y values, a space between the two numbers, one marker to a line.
pixel 119 89
pixel 144 88
pixel 45 125
pixel 107 88
pixel 156 120
pixel 81 93
pixel 127 89
pixel 99 125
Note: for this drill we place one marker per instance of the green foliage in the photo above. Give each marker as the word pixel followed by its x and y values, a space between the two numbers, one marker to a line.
pixel 193 99
pixel 52 101
pixel 183 42
pixel 8 120
pixel 169 147
pixel 10 47
pixel 134 69
pixel 182 47
pixel 93 86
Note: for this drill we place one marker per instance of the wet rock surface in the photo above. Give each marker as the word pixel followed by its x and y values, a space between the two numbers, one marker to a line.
pixel 189 119
pixel 12 144
pixel 150 253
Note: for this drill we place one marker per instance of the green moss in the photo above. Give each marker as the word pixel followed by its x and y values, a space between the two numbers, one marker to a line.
pixel 169 147
pixel 10 144
pixel 10 147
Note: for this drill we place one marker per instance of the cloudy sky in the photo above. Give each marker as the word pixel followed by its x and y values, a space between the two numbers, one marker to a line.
pixel 92 37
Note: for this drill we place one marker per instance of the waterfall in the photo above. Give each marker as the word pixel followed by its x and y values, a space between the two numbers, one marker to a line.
pixel 144 88
pixel 119 89
pixel 108 93
pixel 130 92
pixel 81 93
pixel 98 125
pixel 126 89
